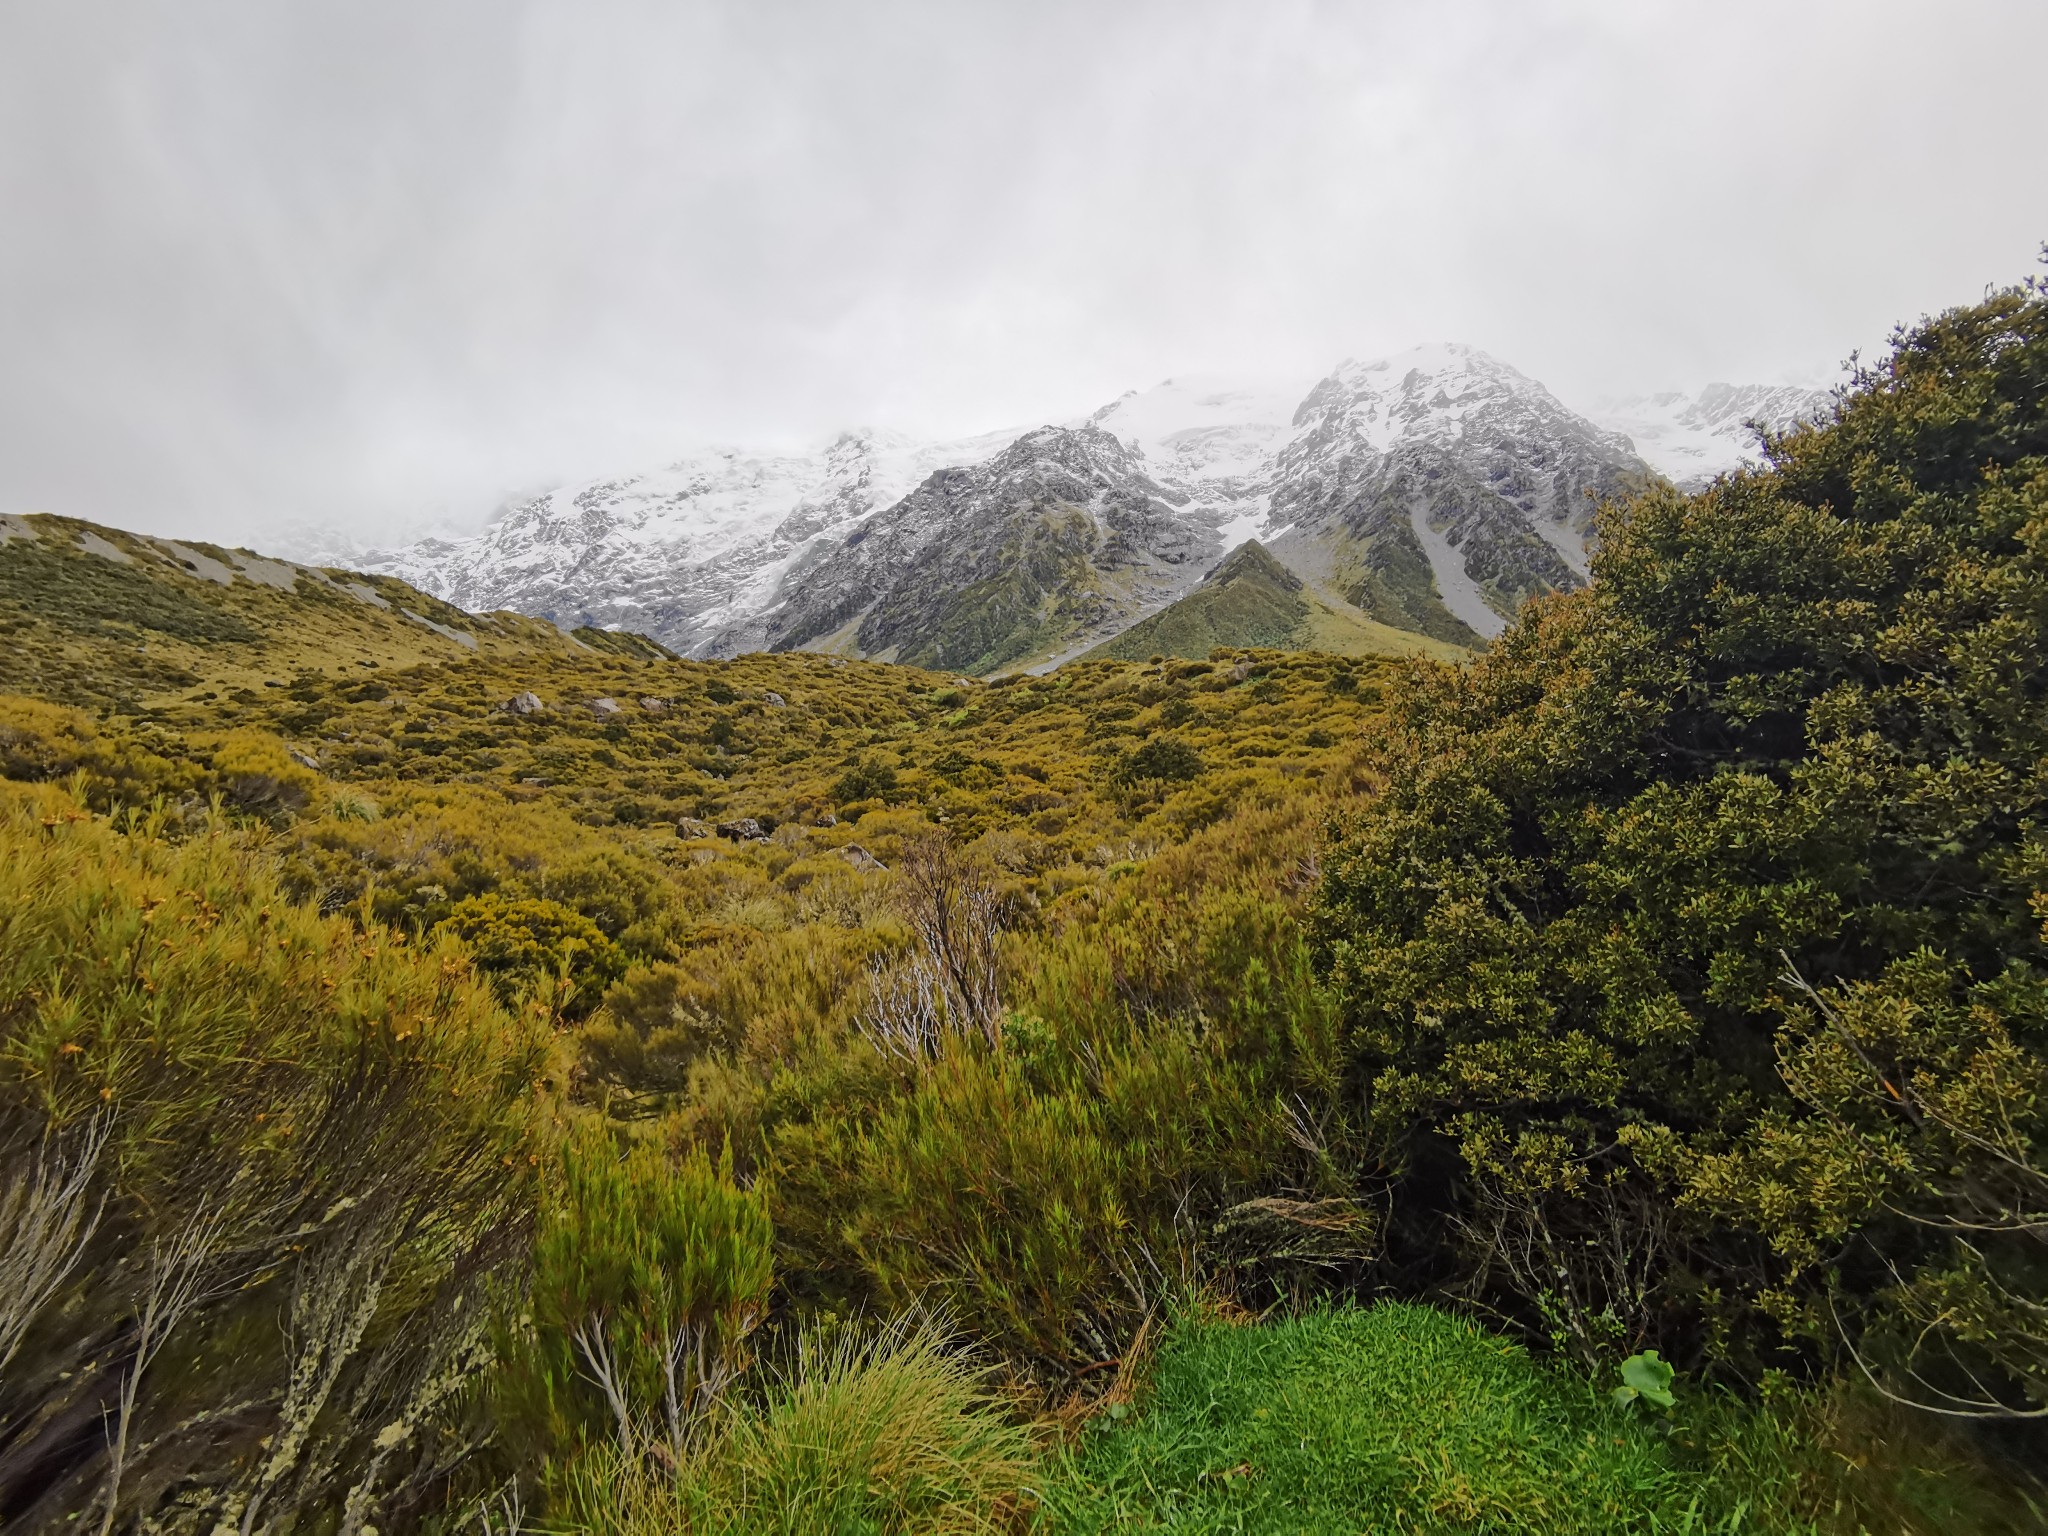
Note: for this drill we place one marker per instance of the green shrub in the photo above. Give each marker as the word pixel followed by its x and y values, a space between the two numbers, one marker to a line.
pixel 648 1280
pixel 1919 1119
pixel 297 1157
pixel 1047 1197
pixel 1161 760
pixel 258 773
pixel 869 779
pixel 523 944
pixel 1796 718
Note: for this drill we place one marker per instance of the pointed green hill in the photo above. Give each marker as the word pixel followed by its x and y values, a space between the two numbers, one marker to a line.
pixel 1251 599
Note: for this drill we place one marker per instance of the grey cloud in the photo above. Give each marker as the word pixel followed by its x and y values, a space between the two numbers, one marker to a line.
pixel 374 265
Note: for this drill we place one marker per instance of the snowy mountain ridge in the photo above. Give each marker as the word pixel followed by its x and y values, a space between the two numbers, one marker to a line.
pixel 1689 439
pixel 1434 489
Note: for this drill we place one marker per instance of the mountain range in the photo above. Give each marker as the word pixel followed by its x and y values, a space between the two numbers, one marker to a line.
pixel 1428 493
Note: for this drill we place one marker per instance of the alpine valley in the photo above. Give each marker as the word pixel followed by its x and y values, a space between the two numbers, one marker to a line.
pixel 1411 503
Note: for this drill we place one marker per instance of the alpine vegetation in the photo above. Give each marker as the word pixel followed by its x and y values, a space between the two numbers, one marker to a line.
pixel 1517 1001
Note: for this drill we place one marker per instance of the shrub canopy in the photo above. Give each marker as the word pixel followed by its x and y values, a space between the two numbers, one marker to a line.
pixel 1793 729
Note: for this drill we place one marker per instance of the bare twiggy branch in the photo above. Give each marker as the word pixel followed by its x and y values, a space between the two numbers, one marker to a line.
pixel 1953 1407
pixel 456 1356
pixel 1591 1264
pixel 949 985
pixel 178 1275
pixel 45 1225
pixel 603 1372
pixel 338 1287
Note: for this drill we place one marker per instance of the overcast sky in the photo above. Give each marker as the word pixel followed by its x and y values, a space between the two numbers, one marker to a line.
pixel 377 264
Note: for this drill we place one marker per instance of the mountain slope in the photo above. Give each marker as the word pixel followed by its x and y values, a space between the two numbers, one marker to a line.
pixel 1251 600
pixel 1434 491
pixel 99 617
pixel 1051 544
pixel 1210 438
pixel 682 552
pixel 1439 489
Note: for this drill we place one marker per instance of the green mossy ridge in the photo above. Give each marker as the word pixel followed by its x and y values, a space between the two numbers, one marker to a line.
pixel 1251 599
pixel 85 627
pixel 1393 583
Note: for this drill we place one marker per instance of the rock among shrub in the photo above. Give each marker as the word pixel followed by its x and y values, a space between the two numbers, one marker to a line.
pixel 526 704
pixel 655 706
pixel 860 858
pixel 604 709
pixel 774 700
pixel 743 830
pixel 691 827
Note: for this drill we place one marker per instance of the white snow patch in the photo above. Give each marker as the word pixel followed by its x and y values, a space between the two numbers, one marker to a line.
pixel 1195 428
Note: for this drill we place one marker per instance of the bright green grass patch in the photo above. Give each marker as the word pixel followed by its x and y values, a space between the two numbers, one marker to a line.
pixel 1396 1418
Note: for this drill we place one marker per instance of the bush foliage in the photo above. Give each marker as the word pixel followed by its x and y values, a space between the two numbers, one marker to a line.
pixel 1692 947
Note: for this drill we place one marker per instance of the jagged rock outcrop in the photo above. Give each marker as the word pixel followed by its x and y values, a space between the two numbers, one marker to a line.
pixel 1048 545
pixel 682 552
pixel 1440 489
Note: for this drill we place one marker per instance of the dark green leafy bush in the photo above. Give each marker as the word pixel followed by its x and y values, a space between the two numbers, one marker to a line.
pixel 1796 725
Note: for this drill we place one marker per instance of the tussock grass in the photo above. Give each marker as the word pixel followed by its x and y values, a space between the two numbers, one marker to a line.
pixel 883 1432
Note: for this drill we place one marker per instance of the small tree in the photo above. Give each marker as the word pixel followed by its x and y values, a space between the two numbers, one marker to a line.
pixel 1154 766
pixel 1921 1127
pixel 257 773
pixel 648 1279
pixel 949 982
pixel 868 779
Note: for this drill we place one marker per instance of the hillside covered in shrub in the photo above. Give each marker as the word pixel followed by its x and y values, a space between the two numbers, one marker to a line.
pixel 539 1083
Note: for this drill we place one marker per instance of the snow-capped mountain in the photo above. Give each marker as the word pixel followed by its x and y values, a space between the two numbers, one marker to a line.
pixel 1434 490
pixel 1439 488
pixel 683 551
pixel 1691 438
pixel 1051 546
pixel 1213 439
